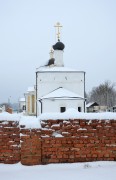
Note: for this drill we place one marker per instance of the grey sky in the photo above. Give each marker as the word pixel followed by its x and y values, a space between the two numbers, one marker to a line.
pixel 27 34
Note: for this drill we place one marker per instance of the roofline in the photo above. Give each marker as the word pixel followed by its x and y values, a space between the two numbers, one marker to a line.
pixel 60 71
pixel 65 97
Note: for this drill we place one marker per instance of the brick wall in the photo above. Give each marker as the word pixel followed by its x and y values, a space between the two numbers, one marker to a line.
pixel 30 146
pixel 58 141
pixel 82 141
pixel 9 142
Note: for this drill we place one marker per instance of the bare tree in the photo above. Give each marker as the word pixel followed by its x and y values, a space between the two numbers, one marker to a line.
pixel 104 94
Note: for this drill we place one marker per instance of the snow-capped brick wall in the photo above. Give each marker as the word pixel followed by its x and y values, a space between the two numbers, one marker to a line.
pixel 78 140
pixel 57 141
pixel 9 142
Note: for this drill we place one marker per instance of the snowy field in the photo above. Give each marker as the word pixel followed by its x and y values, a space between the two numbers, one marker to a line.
pixel 75 171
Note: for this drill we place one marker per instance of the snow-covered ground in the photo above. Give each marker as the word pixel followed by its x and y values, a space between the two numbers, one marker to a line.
pixel 75 171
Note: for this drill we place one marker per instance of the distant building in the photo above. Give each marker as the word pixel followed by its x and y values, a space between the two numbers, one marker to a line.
pixel 30 101
pixel 94 107
pixel 112 109
pixel 9 110
pixel 22 105
pixel 0 109
pixel 6 108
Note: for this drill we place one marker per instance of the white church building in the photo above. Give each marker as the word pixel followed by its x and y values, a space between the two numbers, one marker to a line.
pixel 58 87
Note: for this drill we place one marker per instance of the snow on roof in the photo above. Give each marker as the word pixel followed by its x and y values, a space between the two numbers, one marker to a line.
pixel 22 99
pixel 74 114
pixel 62 93
pixel 90 104
pixel 30 89
pixel 55 68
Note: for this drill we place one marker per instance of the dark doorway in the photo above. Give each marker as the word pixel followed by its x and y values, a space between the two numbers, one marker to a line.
pixel 79 109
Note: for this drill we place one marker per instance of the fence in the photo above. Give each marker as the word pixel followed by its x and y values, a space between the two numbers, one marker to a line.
pixel 58 141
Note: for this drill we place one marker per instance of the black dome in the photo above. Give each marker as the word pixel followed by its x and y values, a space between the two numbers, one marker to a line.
pixel 59 46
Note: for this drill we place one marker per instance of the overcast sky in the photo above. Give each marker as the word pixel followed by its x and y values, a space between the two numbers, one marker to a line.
pixel 27 34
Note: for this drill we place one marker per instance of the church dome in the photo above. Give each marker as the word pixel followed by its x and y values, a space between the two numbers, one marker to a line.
pixel 59 46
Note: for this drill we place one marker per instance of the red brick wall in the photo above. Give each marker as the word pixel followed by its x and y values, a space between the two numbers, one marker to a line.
pixel 30 147
pixel 9 142
pixel 81 141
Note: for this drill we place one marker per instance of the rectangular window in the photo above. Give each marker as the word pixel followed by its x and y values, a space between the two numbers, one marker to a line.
pixel 62 109
pixel 33 103
pixel 79 109
pixel 28 104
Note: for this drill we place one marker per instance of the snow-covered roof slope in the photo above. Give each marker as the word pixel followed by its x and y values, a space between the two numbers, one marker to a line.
pixel 30 89
pixel 62 93
pixel 55 68
pixel 90 104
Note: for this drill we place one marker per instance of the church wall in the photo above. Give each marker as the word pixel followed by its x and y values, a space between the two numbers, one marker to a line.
pixel 73 81
pixel 54 105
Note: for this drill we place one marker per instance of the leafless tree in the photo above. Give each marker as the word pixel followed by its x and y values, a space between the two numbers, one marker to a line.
pixel 104 94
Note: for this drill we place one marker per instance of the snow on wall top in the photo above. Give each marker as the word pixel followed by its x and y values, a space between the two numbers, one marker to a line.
pixel 74 114
pixel 31 122
pixel 9 117
pixel 28 121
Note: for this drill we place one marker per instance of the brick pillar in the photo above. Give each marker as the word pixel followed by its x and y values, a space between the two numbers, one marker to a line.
pixel 30 147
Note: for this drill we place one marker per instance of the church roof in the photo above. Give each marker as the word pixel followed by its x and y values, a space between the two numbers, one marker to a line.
pixel 59 46
pixel 62 93
pixel 22 99
pixel 92 104
pixel 56 69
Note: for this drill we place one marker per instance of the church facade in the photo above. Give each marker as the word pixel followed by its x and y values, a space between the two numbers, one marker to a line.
pixel 57 87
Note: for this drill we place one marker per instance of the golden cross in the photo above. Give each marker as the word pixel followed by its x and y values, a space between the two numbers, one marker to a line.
pixel 58 25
